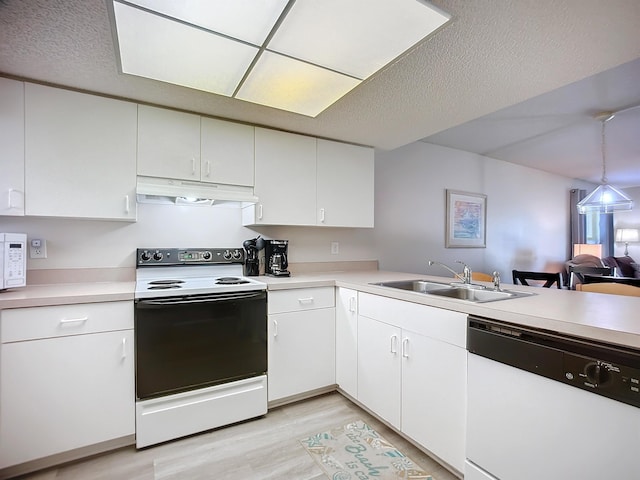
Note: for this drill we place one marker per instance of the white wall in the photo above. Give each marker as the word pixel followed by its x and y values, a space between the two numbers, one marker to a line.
pixel 527 211
pixel 630 219
pixel 75 243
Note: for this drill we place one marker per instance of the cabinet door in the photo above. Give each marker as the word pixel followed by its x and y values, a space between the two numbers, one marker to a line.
pixel 301 352
pixel 285 178
pixel 227 152
pixel 345 185
pixel 434 396
pixel 11 147
pixel 379 368
pixel 80 155
pixel 64 393
pixel 168 143
pixel 347 340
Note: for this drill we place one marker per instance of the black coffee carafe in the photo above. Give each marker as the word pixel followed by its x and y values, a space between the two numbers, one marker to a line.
pixel 276 261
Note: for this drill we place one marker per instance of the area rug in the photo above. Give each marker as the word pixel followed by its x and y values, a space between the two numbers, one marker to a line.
pixel 356 451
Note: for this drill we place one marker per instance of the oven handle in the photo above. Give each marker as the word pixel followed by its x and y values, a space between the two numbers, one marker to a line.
pixel 200 298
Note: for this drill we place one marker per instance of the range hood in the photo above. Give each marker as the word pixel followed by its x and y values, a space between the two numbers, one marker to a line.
pixel 185 192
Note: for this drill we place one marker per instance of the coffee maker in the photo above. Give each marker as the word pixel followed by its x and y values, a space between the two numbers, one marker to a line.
pixel 275 258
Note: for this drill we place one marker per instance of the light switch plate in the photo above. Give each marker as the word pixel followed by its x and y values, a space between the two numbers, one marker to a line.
pixel 335 248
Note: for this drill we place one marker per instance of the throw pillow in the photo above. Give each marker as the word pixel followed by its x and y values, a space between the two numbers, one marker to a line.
pixel 636 270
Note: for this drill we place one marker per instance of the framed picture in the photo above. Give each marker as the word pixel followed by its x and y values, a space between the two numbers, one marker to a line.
pixel 466 220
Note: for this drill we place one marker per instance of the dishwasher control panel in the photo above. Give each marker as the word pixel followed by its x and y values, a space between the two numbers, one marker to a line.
pixel 612 380
pixel 608 370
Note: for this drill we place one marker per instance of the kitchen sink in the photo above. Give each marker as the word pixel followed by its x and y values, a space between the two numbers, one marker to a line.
pixel 470 293
pixel 422 286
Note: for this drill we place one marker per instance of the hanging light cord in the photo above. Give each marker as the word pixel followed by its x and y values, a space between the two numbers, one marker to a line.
pixel 605 117
pixel 604 149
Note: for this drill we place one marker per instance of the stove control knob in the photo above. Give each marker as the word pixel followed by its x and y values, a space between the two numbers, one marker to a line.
pixel 237 255
pixel 226 255
pixel 145 256
pixel 206 255
pixel 157 256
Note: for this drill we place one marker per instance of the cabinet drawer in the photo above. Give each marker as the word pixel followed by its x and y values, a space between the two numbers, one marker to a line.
pixel 299 299
pixel 437 323
pixel 62 320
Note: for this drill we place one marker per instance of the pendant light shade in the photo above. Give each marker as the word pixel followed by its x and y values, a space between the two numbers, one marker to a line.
pixel 605 198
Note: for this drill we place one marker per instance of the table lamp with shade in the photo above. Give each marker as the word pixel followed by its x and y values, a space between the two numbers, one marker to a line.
pixel 627 235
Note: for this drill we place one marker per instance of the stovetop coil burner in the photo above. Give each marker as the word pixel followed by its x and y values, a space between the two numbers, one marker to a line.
pixel 231 281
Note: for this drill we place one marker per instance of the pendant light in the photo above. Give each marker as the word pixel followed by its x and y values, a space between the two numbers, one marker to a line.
pixel 605 198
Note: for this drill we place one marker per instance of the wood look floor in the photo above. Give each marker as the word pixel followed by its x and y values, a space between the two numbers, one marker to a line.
pixel 267 448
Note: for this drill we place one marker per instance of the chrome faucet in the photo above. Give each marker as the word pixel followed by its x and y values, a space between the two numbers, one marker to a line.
pixel 465 276
pixel 496 281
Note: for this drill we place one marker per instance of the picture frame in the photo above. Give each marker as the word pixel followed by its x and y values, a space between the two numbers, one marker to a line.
pixel 466 220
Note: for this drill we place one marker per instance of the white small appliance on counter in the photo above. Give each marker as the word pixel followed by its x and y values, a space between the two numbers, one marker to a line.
pixel 13 260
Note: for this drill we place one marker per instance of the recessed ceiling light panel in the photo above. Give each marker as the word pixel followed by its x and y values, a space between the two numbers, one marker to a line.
pixel 247 20
pixel 161 49
pixel 281 82
pixel 356 37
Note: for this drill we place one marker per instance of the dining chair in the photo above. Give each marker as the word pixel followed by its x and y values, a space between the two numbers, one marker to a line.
pixel 481 277
pixel 577 272
pixel 614 288
pixel 548 278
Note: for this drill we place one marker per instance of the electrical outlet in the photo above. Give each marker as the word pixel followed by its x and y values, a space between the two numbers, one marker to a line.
pixel 335 248
pixel 38 248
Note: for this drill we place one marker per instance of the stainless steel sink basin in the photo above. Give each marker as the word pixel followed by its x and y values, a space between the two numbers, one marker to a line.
pixel 422 286
pixel 473 293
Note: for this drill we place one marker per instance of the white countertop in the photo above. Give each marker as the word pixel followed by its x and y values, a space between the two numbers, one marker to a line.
pixel 597 316
pixel 609 318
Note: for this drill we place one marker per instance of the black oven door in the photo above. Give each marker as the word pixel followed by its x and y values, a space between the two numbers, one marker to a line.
pixel 189 342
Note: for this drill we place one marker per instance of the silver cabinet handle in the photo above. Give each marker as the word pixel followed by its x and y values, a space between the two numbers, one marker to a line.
pixel 208 174
pixel 260 212
pixel 352 304
pixel 193 166
pixel 322 215
pixel 275 328
pixel 126 204
pixel 305 300
pixel 124 348
pixel 74 320
pixel 394 344
pixel 405 347
pixel 10 204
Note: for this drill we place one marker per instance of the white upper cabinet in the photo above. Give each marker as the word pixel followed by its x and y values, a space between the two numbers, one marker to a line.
pixel 227 152
pixel 306 181
pixel 168 143
pixel 285 180
pixel 80 155
pixel 344 185
pixel 185 146
pixel 11 147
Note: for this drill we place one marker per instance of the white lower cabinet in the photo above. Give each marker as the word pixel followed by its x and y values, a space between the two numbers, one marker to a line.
pixel 301 348
pixel 66 379
pixel 379 373
pixel 412 372
pixel 347 340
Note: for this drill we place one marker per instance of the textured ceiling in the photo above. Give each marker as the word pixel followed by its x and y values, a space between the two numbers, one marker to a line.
pixel 492 55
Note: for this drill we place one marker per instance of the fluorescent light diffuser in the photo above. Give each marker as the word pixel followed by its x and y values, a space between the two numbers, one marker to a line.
pixel 157 48
pixel 356 37
pixel 295 86
pixel 321 50
pixel 247 20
